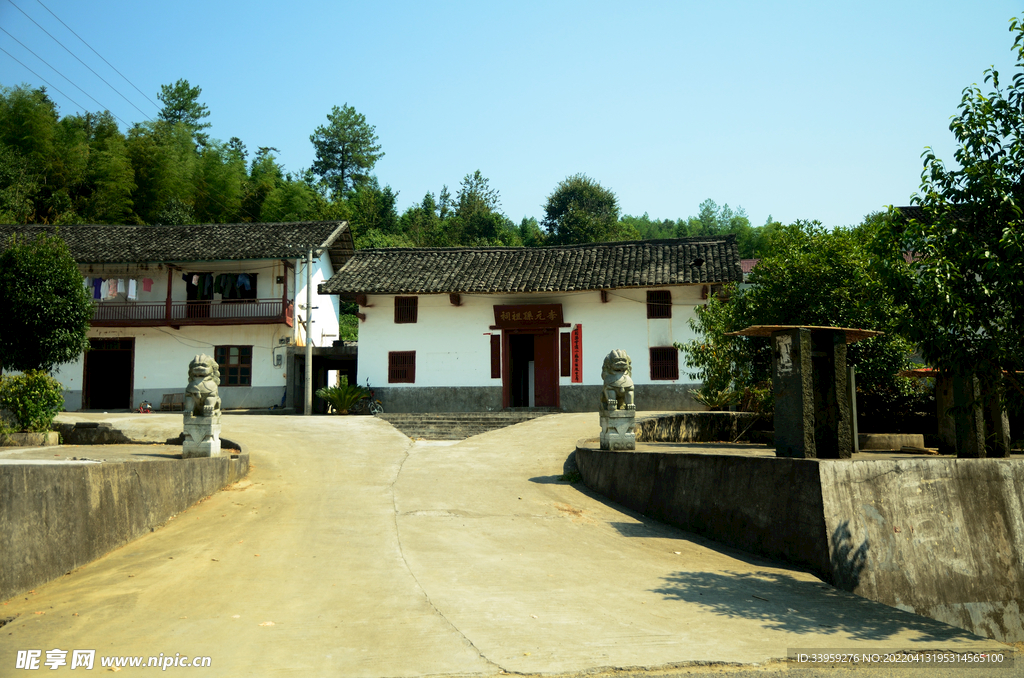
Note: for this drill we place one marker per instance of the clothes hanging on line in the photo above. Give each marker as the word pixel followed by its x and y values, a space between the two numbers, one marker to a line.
pixel 147 284
pixel 132 290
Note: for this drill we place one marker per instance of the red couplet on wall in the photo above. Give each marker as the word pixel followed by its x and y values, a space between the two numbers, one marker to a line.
pixel 577 354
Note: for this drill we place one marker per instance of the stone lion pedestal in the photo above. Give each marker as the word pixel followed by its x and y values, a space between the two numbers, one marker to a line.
pixel 618 430
pixel 202 409
pixel 202 437
pixel 618 412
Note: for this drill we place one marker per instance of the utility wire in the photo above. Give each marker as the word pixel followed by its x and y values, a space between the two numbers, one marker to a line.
pixel 61 74
pixel 79 60
pixel 214 196
pixel 43 79
pixel 98 54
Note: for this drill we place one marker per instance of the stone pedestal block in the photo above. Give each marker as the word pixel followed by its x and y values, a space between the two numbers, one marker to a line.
pixel 202 436
pixel 618 429
pixel 812 410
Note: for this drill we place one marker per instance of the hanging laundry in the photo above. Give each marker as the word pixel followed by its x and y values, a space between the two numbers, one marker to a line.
pixel 132 289
pixel 97 288
pixel 185 277
pixel 147 284
pixel 104 289
pixel 112 288
pixel 208 284
pixel 243 281
pixel 121 287
pixel 195 280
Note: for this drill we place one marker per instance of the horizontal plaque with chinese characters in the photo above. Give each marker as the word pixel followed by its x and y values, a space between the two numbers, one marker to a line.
pixel 527 315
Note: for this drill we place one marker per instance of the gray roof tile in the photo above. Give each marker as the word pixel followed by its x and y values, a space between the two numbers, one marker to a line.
pixel 97 244
pixel 634 263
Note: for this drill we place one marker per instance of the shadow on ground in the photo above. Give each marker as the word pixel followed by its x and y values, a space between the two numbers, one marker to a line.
pixel 774 599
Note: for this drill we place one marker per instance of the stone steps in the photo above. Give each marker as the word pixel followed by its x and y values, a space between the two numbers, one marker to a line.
pixel 456 425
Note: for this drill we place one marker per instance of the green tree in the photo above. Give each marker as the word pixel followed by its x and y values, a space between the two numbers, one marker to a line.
pixel 819 277
pixel 581 210
pixel 182 105
pixel 46 306
pixel 650 229
pixel 529 232
pixel 346 150
pixel 164 160
pixel 959 261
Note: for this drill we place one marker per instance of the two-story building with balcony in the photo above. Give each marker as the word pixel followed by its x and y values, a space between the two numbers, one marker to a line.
pixel 163 294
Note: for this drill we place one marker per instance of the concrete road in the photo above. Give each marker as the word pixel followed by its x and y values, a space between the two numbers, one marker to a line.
pixel 352 551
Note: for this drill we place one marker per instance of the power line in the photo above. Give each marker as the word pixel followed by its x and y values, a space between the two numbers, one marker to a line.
pixel 214 196
pixel 98 54
pixel 79 60
pixel 60 74
pixel 43 79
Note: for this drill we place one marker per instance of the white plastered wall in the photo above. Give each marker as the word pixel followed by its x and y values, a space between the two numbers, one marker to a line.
pixel 452 343
pixel 326 307
pixel 162 354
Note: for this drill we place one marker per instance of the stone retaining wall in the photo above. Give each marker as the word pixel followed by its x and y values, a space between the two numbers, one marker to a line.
pixel 943 538
pixel 698 427
pixel 57 517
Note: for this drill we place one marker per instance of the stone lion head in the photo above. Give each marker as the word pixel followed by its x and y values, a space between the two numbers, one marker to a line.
pixel 204 368
pixel 617 363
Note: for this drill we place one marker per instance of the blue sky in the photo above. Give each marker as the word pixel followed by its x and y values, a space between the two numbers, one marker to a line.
pixel 798 110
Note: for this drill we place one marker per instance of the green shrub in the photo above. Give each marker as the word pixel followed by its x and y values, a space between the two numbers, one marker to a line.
pixel 343 396
pixel 33 399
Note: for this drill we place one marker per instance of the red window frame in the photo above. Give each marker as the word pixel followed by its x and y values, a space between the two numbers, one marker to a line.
pixel 664 363
pixel 401 367
pixel 235 363
pixel 406 309
pixel 659 303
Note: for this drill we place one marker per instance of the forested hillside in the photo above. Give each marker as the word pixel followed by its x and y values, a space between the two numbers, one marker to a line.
pixel 89 169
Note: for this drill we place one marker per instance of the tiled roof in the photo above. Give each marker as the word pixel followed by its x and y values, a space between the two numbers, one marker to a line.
pixel 635 263
pixel 207 242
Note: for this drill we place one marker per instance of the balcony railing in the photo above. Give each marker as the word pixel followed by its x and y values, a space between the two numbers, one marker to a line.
pixel 178 313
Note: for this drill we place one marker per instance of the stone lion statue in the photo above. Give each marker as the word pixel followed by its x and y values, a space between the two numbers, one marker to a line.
pixel 202 398
pixel 617 393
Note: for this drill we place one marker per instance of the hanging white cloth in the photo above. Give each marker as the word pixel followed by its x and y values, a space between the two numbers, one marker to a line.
pixel 132 290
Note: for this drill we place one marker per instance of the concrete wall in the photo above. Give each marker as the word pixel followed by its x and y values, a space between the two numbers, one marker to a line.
pixel 940 537
pixel 767 506
pixel 56 517
pixel 943 538
pixel 452 344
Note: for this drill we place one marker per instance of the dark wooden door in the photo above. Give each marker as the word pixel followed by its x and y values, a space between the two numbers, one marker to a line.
pixel 545 368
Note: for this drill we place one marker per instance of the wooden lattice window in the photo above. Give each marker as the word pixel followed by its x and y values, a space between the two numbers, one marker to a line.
pixel 402 367
pixel 664 363
pixel 235 365
pixel 495 356
pixel 659 304
pixel 406 309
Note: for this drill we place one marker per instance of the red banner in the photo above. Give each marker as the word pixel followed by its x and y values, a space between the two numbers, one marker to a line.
pixel 524 316
pixel 577 354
